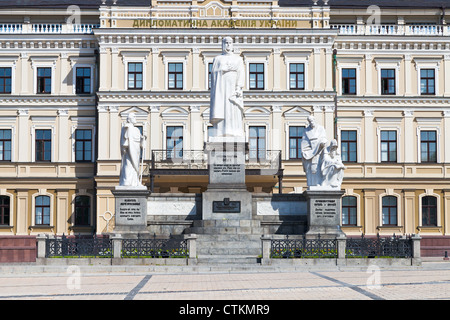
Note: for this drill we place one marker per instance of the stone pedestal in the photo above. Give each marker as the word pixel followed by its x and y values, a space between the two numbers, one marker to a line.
pixel 131 210
pixel 226 196
pixel 324 213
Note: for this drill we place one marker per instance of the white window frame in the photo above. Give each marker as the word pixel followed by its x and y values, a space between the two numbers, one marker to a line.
pixel 390 192
pixel 8 123
pixel 256 57
pixel 358 140
pixel 83 126
pixel 389 63
pixel 424 126
pixel 265 124
pixel 82 62
pixel 10 62
pixel 287 125
pixel 350 193
pixel 12 213
pixel 297 57
pixel 135 57
pixel 430 192
pixel 175 57
pixel 42 192
pixel 48 123
pixel 349 63
pixel 389 124
pixel 44 62
pixel 428 63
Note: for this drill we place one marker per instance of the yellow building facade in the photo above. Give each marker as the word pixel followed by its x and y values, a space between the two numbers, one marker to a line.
pixel 380 87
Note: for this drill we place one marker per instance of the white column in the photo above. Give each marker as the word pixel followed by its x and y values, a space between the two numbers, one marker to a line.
pixel 369 85
pixel 114 69
pixel 447 75
pixel 155 128
pixel 103 71
pixel 277 123
pixel 23 145
pixel 115 131
pixel 155 69
pixel 63 134
pixel 276 70
pixel 195 69
pixel 103 133
pixel 64 74
pixel 409 141
pixel 329 70
pixel 318 115
pixel 317 70
pixel 408 79
pixel 329 121
pixel 446 143
pixel 25 79
pixel 196 128
pixel 369 143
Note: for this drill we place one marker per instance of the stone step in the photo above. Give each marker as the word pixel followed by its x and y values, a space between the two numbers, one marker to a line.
pixel 229 237
pixel 225 230
pixel 215 260
pixel 228 251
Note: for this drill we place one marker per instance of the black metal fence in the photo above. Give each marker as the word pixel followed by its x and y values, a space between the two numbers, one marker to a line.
pixel 303 248
pixel 102 247
pixel 155 248
pixel 77 247
pixel 392 247
pixel 362 247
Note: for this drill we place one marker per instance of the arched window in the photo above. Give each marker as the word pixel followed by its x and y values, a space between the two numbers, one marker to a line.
pixel 349 206
pixel 389 210
pixel 42 210
pixel 4 210
pixel 429 211
pixel 82 210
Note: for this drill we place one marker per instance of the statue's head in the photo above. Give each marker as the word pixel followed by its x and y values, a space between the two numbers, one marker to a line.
pixel 131 118
pixel 312 121
pixel 227 45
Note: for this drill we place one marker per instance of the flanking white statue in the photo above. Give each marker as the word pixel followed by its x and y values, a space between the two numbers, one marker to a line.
pixel 332 167
pixel 226 103
pixel 131 143
pixel 322 164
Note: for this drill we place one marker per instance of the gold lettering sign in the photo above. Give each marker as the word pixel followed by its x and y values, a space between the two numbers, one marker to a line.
pixel 217 23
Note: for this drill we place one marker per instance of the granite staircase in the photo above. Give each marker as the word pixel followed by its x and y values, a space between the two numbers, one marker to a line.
pixel 223 242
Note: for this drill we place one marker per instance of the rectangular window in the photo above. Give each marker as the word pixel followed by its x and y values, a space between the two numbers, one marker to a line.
pixel 135 76
pixel 297 76
pixel 5 144
pixel 42 210
pixel 388 81
pixel 295 141
pixel 389 204
pixel 349 204
pixel 256 76
pixel 4 210
pixel 389 146
pixel 175 76
pixel 348 81
pixel 257 142
pixel 83 145
pixel 427 82
pixel 43 145
pixel 429 211
pixel 5 80
pixel 83 80
pixel 209 75
pixel 428 146
pixel 348 146
pixel 44 80
pixel 82 211
pixel 174 139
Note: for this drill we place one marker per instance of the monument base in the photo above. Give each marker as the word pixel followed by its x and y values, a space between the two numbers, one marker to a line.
pixel 324 213
pixel 226 203
pixel 131 211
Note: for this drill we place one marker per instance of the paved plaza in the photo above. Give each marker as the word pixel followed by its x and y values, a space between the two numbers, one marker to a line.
pixel 431 281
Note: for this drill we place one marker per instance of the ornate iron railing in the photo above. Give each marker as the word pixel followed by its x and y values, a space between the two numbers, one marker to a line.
pixel 72 247
pixel 155 248
pixel 395 246
pixel 303 248
pixel 198 159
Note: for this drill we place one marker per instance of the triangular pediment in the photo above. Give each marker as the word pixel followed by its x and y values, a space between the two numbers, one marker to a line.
pixel 297 112
pixel 138 112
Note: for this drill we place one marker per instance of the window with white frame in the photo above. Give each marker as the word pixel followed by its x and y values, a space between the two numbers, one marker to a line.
pixel 5 144
pixel 175 64
pixel 296 69
pixel 428 75
pixel 388 75
pixel 44 74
